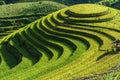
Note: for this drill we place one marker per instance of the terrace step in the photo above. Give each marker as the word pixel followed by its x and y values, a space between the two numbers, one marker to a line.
pixel 57 50
pixel 49 22
pixel 107 17
pixel 83 11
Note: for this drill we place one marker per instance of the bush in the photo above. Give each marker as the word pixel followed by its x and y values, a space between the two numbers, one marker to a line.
pixel 2 2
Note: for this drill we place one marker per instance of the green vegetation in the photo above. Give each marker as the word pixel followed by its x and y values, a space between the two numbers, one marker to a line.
pixel 116 5
pixel 65 45
pixel 69 2
pixel 2 2
pixel 112 76
pixel 66 2
pixel 30 8
pixel 107 2
pixel 20 14
pixel 104 76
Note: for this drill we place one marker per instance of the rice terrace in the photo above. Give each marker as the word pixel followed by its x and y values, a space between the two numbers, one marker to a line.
pixel 73 43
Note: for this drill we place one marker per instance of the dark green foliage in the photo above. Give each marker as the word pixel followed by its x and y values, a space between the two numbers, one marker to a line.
pixel 116 5
pixel 17 55
pixel 5 23
pixel 69 2
pixel 2 2
pixel 108 2
pixel 32 51
pixel 66 2
pixel 10 1
pixel 8 56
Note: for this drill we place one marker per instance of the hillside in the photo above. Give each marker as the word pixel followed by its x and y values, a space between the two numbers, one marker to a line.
pixel 14 16
pixel 66 2
pixel 68 44
pixel 29 8
pixel 69 2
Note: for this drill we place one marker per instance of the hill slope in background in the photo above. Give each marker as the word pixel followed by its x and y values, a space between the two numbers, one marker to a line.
pixel 69 2
pixel 29 8
pixel 66 2
pixel 70 43
pixel 15 16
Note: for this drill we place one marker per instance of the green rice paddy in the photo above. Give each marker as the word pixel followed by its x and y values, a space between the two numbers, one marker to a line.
pixel 71 43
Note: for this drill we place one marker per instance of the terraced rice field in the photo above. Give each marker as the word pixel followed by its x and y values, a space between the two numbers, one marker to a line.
pixel 68 44
pixel 15 16
pixel 7 30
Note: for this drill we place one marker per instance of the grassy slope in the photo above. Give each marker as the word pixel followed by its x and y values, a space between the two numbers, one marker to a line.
pixel 66 44
pixel 14 16
pixel 30 8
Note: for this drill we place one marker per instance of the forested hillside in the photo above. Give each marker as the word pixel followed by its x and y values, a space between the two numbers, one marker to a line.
pixel 67 2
